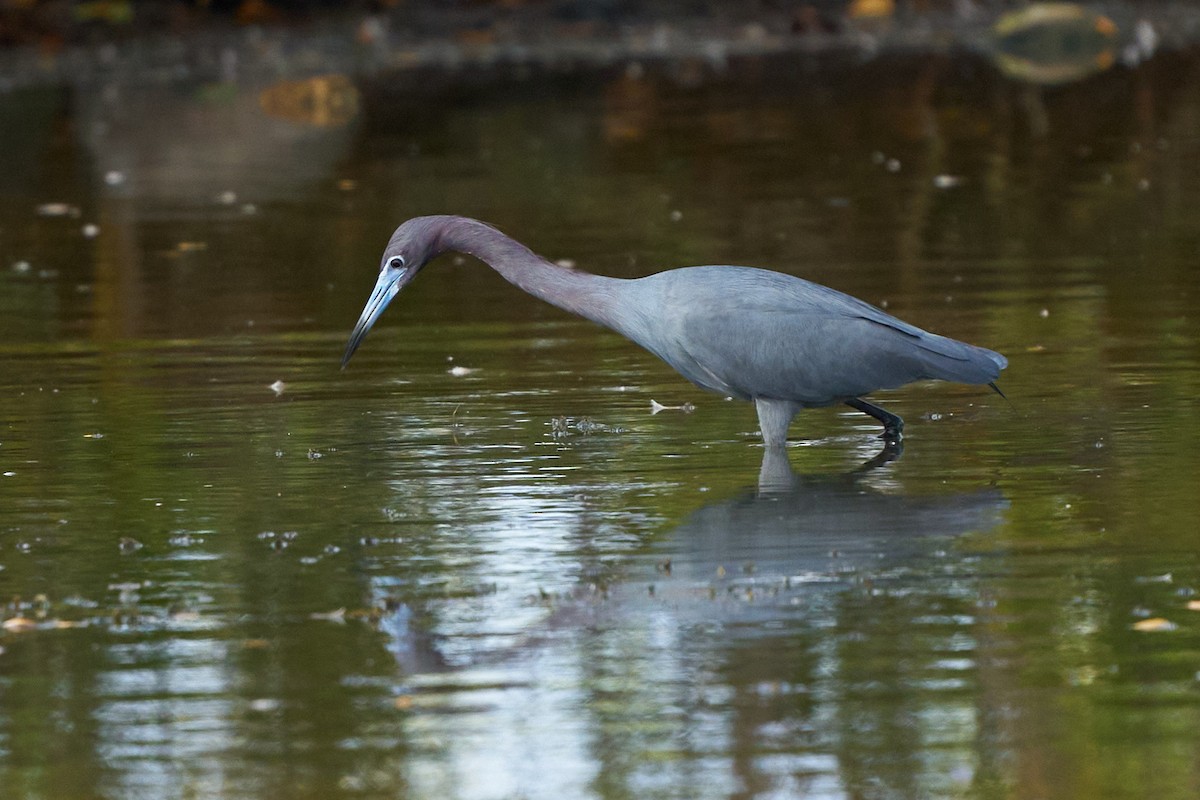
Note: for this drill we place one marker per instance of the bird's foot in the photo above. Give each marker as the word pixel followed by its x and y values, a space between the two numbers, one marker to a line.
pixel 893 425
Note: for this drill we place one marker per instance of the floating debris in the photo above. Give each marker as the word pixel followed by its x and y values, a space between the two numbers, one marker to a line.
pixel 90 230
pixel 655 407
pixel 129 545
pixel 18 624
pixel 337 615
pixel 57 210
pixel 947 181
pixel 566 263
pixel 21 267
pixel 1154 625
pixel 587 425
pixel 278 541
pixel 114 177
pixel 562 427
pixel 277 387
pixel 459 372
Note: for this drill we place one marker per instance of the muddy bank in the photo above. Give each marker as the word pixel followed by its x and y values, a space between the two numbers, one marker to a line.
pixel 368 40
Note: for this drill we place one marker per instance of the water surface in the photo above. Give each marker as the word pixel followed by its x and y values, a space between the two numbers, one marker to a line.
pixel 475 565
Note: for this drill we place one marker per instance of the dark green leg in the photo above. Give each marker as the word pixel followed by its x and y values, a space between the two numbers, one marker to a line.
pixel 893 426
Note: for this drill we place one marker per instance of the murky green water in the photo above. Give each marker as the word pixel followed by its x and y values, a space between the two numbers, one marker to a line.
pixel 510 579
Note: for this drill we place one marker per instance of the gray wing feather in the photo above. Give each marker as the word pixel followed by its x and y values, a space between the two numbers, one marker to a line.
pixel 753 333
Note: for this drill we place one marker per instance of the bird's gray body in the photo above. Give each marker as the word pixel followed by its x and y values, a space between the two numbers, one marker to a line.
pixel 753 334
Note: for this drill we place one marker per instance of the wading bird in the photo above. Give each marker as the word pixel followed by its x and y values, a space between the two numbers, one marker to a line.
pixel 783 342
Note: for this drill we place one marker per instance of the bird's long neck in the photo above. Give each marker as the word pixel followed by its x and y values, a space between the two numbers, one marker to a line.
pixel 590 296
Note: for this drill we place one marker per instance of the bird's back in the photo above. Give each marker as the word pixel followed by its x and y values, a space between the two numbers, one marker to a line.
pixel 751 333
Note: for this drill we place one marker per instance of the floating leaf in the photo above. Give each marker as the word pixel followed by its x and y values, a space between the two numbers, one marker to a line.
pixel 1154 624
pixel 18 624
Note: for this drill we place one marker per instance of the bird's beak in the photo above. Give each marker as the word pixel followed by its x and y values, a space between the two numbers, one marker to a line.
pixel 390 282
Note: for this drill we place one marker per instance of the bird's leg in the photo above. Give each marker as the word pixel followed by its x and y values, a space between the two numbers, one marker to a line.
pixel 774 417
pixel 893 426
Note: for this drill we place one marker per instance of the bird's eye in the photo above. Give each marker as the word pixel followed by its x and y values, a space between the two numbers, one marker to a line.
pixel 396 262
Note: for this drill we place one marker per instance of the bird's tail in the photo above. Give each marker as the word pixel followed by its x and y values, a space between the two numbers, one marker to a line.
pixel 951 360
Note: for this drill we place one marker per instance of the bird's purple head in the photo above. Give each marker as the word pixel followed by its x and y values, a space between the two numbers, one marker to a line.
pixel 412 246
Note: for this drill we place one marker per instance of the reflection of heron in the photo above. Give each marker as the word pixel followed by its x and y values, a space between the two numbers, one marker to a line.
pixel 765 555
pixel 783 342
pixel 797 524
pixel 412 645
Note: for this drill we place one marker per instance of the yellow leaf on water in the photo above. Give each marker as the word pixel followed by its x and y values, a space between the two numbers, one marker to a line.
pixel 18 624
pixel 1154 624
pixel 1193 605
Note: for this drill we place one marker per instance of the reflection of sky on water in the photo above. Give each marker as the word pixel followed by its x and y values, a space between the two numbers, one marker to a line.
pixel 161 714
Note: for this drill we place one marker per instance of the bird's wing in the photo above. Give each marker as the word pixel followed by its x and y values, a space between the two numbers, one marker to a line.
pixel 813 298
pixel 813 359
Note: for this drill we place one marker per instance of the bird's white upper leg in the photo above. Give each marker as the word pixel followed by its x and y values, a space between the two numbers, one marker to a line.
pixel 774 417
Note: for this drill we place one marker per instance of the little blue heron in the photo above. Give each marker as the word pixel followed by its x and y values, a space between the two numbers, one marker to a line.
pixel 783 342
